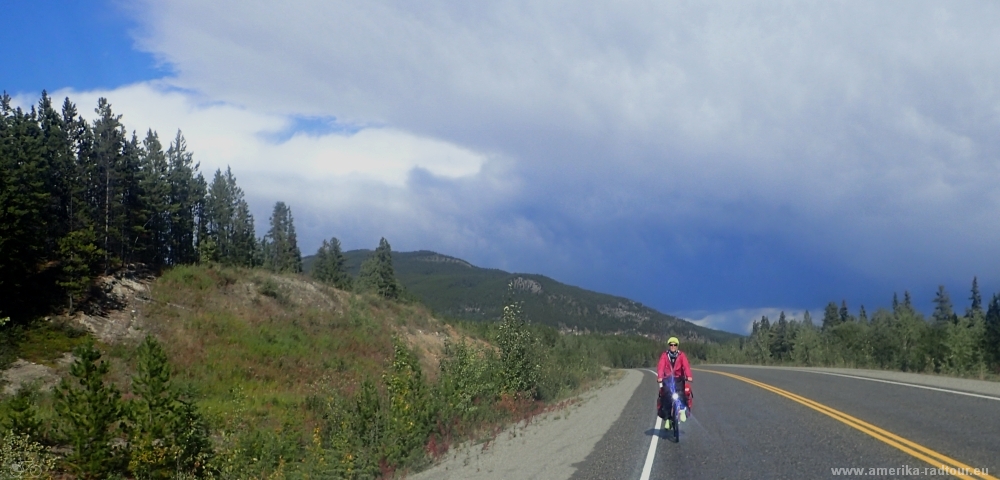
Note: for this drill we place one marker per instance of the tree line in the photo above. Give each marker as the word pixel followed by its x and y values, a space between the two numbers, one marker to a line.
pixel 900 338
pixel 81 199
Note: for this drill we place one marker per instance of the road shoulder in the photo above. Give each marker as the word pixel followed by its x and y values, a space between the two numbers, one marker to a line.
pixel 548 447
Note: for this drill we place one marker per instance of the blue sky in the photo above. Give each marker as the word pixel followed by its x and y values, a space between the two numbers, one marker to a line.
pixel 713 160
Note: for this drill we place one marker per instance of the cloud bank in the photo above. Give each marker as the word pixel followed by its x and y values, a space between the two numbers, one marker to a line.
pixel 695 156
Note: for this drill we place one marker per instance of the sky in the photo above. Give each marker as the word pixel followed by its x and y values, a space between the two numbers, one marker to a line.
pixel 714 160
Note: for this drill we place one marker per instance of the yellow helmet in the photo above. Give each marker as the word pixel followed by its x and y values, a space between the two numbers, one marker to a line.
pixel 673 340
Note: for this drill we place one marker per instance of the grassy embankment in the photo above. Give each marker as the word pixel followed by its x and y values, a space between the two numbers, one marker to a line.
pixel 299 380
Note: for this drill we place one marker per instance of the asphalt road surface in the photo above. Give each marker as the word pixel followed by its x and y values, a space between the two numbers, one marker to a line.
pixel 753 422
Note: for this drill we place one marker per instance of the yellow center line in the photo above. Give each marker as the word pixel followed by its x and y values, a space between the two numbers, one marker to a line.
pixel 921 452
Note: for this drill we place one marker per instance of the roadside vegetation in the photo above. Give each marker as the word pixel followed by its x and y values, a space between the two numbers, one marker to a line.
pixel 251 374
pixel 245 368
pixel 899 338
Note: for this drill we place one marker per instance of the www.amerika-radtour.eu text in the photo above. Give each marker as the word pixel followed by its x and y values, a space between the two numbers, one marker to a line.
pixel 908 470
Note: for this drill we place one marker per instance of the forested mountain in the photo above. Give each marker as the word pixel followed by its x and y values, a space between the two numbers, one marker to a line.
pixel 458 289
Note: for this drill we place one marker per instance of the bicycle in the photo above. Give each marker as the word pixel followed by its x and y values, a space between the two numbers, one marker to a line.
pixel 677 407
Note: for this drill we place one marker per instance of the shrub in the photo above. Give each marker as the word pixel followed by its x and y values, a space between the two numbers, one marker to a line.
pixel 408 420
pixel 519 355
pixel 22 416
pixel 21 457
pixel 270 288
pixel 468 382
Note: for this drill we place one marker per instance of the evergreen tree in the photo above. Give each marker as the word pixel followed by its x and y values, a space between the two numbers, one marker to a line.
pixel 765 325
pixel 863 315
pixel 807 320
pixel 330 265
pixel 845 314
pixel 943 312
pixel 60 165
pixel 22 416
pixel 228 222
pixel 245 251
pixel 282 254
pixel 155 185
pixel 78 251
pixel 25 202
pixel 107 164
pixel 991 335
pixel 83 198
pixel 187 192
pixel 976 299
pixel 781 345
pixel 377 274
pixel 80 259
pixel 895 302
pixel 831 317
pixel 89 410
pixel 168 436
pixel 134 214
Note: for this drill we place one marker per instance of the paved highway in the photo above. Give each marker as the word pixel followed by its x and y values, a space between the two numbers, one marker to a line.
pixel 782 423
pixel 758 422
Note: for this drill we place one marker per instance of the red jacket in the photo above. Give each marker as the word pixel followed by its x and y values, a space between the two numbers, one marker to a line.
pixel 680 368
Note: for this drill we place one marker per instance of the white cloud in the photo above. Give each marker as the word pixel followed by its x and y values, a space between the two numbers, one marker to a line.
pixel 858 137
pixel 373 173
pixel 859 114
pixel 223 134
pixel 741 320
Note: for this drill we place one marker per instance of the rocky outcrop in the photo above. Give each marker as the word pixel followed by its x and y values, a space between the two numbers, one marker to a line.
pixel 527 285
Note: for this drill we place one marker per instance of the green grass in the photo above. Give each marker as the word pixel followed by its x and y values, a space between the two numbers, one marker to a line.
pixel 273 364
pixel 45 342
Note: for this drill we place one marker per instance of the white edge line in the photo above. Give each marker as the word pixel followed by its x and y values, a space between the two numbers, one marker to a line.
pixel 648 467
pixel 904 384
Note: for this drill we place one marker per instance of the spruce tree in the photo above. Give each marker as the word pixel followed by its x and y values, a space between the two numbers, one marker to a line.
pixel 107 160
pixel 845 314
pixel 831 316
pixel 22 415
pixel 168 435
pixel 976 299
pixel 991 337
pixel 187 192
pixel 60 163
pixel 155 186
pixel 377 274
pixel 89 410
pixel 282 254
pixel 25 202
pixel 807 320
pixel 330 265
pixel 781 345
pixel 219 214
pixel 943 312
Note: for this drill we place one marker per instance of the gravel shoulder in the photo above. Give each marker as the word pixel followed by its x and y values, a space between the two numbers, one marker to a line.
pixel 549 446
pixel 982 387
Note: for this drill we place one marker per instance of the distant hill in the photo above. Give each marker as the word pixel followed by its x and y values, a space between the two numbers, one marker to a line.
pixel 455 288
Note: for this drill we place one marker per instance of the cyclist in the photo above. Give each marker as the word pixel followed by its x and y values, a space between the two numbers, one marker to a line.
pixel 673 363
